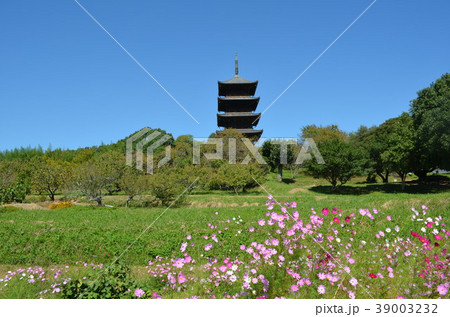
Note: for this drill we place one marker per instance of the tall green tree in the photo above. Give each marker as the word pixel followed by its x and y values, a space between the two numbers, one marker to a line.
pixel 431 120
pixel 342 162
pixel 400 145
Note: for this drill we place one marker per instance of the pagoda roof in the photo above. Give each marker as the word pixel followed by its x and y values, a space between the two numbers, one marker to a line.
pixel 238 80
pixel 237 86
pixel 238 120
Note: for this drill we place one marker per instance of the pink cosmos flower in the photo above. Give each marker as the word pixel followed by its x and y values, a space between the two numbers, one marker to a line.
pixel 251 229
pixel 438 237
pixel 139 293
pixel 351 261
pixel 261 222
pixel 336 220
pixel 294 288
pixel 321 289
pixel 442 289
pixel 188 237
pixel 347 219
pixel 183 246
pixel 388 218
pixel 181 278
pixel 325 211
pixel 351 295
pixel 353 281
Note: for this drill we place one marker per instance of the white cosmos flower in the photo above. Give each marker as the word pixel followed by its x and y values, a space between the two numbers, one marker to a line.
pixel 234 267
pixel 388 230
pixel 435 231
pixel 230 272
pixel 338 240
pixel 233 278
pixel 363 242
pixel 429 219
pixel 423 229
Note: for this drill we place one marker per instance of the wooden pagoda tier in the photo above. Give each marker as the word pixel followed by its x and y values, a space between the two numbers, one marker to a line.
pixel 237 102
pixel 238 120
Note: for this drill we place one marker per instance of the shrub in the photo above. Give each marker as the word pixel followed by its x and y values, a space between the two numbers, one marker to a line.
pixel 115 283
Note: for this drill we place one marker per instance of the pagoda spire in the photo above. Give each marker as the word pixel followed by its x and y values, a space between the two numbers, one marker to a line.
pixel 236 67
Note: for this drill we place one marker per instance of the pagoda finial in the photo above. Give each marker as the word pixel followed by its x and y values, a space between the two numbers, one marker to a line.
pixel 236 67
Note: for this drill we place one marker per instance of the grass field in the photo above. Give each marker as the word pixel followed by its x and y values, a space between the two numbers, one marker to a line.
pixel 53 238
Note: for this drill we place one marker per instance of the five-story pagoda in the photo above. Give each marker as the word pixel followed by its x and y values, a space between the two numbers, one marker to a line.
pixel 237 103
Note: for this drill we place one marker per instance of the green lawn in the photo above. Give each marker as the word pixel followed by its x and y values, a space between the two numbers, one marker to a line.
pixel 98 235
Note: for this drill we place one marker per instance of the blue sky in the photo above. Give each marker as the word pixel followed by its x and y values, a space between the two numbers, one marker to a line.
pixel 64 82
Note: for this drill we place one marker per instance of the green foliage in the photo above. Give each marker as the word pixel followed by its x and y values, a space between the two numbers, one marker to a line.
pixel 133 183
pixel 431 118
pixel 237 177
pixel 342 162
pixel 399 146
pixel 320 134
pixel 13 192
pixel 115 283
pixel 50 176
pixel 165 185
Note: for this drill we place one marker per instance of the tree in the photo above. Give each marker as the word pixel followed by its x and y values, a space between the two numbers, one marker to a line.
pixel 14 181
pixel 400 144
pixel 320 134
pixel 91 179
pixel 431 121
pixel 166 187
pixel 271 151
pixel 133 183
pixel 50 176
pixel 342 162
pixel 237 177
pixel 113 165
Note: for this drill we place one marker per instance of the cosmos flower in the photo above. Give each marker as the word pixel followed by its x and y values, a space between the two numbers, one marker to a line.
pixel 442 289
pixel 181 278
pixel 321 289
pixel 139 293
pixel 353 281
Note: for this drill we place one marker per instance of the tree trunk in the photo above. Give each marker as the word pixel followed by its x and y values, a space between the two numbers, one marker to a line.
pixel 422 174
pixel 333 186
pixel 384 176
pixel 280 173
